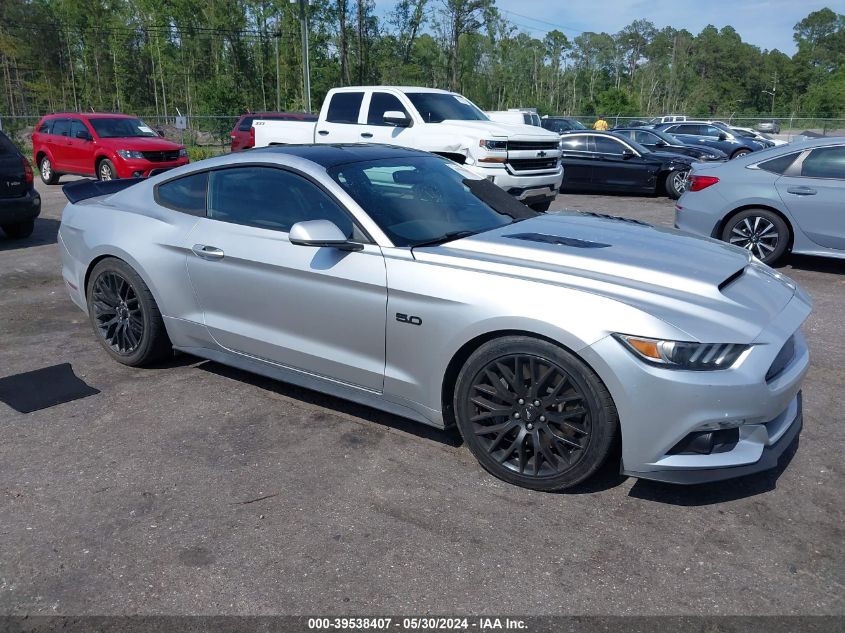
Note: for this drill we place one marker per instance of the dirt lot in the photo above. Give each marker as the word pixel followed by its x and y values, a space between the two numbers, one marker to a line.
pixel 144 498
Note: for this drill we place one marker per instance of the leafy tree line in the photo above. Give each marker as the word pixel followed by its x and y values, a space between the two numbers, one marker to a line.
pixel 223 57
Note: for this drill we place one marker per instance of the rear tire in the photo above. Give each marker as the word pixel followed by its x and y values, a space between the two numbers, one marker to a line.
pixel 676 183
pixel 19 230
pixel 740 152
pixel 106 170
pixel 762 232
pixel 542 207
pixel 124 315
pixel 533 414
pixel 48 174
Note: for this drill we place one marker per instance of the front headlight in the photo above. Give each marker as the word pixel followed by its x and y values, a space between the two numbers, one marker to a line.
pixel 493 145
pixel 183 153
pixel 683 354
pixel 129 153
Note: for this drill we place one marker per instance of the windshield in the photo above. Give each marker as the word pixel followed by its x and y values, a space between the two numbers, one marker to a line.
pixel 435 107
pixel 425 199
pixel 120 127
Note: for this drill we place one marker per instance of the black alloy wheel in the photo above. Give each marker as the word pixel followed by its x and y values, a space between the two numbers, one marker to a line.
pixel 118 314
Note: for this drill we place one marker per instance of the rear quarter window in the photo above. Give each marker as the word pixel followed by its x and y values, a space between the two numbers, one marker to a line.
pixel 187 194
pixel 780 164
pixel 245 124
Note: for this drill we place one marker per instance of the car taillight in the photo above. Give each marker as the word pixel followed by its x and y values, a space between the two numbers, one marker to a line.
pixel 697 183
pixel 252 137
pixel 27 171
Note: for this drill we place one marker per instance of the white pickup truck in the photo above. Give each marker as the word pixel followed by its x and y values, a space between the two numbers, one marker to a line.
pixel 522 159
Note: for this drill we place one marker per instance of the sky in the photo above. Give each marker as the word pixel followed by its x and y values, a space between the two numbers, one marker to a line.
pixel 764 23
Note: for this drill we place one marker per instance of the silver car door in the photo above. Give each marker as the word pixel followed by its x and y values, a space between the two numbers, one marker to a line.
pixel 319 310
pixel 814 198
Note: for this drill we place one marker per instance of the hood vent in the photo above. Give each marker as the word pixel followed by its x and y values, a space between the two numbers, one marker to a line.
pixel 617 218
pixel 555 239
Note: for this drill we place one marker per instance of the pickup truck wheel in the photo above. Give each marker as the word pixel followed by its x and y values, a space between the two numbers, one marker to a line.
pixel 542 207
pixel 533 414
pixel 19 230
pixel 105 170
pixel 676 183
pixel 48 176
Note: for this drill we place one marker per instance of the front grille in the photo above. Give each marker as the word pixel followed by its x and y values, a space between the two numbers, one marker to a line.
pixel 532 145
pixel 532 164
pixel 782 359
pixel 162 157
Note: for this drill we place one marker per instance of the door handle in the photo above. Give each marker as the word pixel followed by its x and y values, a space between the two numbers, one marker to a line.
pixel 802 191
pixel 322 132
pixel 211 253
pixel 366 135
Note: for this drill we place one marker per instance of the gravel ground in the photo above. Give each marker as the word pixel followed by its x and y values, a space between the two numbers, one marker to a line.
pixel 192 488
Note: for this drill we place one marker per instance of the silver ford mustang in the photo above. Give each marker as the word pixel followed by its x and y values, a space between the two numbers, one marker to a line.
pixel 397 279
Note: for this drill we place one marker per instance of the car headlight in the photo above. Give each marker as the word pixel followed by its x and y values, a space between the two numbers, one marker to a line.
pixel 183 153
pixel 129 153
pixel 683 354
pixel 490 144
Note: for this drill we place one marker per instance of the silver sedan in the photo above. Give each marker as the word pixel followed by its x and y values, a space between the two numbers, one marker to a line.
pixel 400 280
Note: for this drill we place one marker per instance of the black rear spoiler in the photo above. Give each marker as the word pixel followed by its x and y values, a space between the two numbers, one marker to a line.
pixel 90 188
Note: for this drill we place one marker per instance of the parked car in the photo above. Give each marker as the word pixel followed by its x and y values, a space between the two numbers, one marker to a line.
pixel 103 145
pixel 711 134
pixel 667 118
pixel 20 204
pixel 523 116
pixel 757 136
pixel 522 159
pixel 422 290
pixel 784 199
pixel 772 127
pixel 561 124
pixel 606 161
pixel 243 134
pixel 658 141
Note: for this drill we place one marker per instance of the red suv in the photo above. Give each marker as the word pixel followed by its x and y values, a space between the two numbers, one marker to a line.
pixel 103 145
pixel 243 134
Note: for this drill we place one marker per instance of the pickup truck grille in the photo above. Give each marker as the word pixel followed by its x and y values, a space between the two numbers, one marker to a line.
pixel 161 157
pixel 533 145
pixel 532 164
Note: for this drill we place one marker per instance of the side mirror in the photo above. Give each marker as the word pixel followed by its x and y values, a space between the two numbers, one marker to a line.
pixel 723 136
pixel 320 233
pixel 85 135
pixel 626 154
pixel 661 143
pixel 394 117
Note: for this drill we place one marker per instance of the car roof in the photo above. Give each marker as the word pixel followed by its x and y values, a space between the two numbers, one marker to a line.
pixel 93 115
pixel 339 154
pixel 397 88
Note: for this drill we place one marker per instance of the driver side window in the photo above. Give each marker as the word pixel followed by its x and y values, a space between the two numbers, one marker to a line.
pixel 270 198
pixel 381 102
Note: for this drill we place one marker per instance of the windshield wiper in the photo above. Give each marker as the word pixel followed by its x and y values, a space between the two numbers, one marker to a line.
pixel 446 237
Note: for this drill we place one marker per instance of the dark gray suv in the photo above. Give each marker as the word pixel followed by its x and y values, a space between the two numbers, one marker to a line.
pixel 711 135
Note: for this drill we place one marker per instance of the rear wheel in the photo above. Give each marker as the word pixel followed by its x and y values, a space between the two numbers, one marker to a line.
pixel 124 315
pixel 760 231
pixel 676 183
pixel 533 414
pixel 19 230
pixel 105 170
pixel 740 152
pixel 542 207
pixel 48 176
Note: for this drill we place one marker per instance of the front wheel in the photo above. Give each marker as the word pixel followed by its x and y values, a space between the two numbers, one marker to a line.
pixel 106 170
pixel 533 414
pixel 124 315
pixel 19 230
pixel 760 231
pixel 676 183
pixel 740 152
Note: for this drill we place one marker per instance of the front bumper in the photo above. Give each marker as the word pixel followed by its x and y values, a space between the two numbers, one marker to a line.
pixel 660 408
pixel 20 209
pixel 142 168
pixel 527 188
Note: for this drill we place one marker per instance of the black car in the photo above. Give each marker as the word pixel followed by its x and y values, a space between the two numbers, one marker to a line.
pixel 561 124
pixel 606 161
pixel 712 134
pixel 20 204
pixel 658 141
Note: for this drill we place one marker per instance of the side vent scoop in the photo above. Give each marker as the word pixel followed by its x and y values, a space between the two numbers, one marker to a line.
pixel 555 239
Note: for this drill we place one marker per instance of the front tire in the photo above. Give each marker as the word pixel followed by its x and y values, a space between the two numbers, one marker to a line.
pixel 740 152
pixel 533 414
pixel 124 315
pixel 676 183
pixel 106 170
pixel 19 230
pixel 762 232
pixel 48 175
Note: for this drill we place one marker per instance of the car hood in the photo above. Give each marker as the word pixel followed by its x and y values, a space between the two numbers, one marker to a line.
pixel 140 143
pixel 706 288
pixel 495 128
